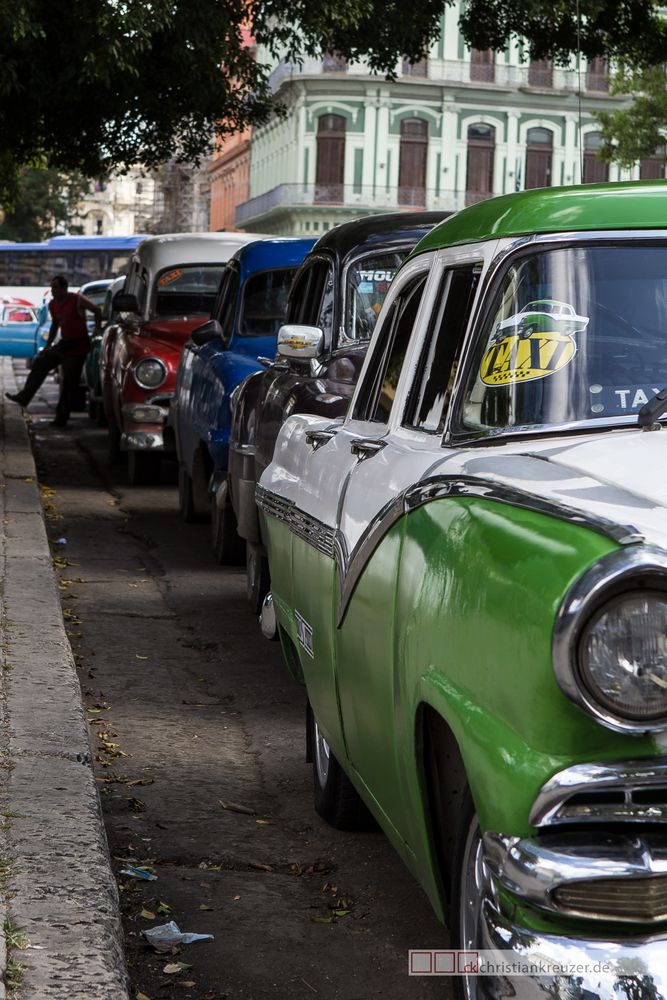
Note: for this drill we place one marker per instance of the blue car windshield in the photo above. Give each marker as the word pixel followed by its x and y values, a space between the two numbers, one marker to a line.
pixel 572 335
pixel 265 302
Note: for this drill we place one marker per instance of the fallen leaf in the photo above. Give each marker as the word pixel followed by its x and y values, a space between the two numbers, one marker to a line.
pixel 263 822
pixel 139 657
pixel 237 808
pixel 147 915
pixel 341 913
pixel 172 968
pixel 236 898
pixel 205 906
pixel 163 907
pixel 187 982
pixel 141 996
pixel 260 867
pixel 322 920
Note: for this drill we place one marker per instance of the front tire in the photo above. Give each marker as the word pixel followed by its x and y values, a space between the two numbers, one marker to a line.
pixel 468 881
pixel 257 579
pixel 228 546
pixel 143 468
pixel 336 799
pixel 186 501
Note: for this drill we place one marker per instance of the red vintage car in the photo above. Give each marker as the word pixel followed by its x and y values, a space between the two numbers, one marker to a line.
pixel 170 289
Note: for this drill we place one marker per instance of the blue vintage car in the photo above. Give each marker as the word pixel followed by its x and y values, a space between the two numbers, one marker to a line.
pixel 18 328
pixel 241 333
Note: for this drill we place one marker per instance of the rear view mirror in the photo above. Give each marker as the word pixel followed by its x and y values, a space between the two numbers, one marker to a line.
pixel 123 302
pixel 206 332
pixel 297 341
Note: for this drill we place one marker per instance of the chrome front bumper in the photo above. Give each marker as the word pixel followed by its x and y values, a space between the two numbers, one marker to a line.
pixel 634 967
pixel 152 440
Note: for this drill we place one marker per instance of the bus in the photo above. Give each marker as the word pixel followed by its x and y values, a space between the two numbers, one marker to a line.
pixel 26 269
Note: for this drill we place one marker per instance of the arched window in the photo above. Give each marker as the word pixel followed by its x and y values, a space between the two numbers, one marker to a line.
pixel 539 155
pixel 330 169
pixel 479 169
pixel 541 73
pixel 482 65
pixel 597 74
pixel 412 162
pixel 652 168
pixel 595 171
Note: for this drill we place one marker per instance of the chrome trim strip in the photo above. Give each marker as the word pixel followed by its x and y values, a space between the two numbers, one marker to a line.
pixel 310 529
pixel 627 776
pixel 533 870
pixel 611 573
pixel 352 565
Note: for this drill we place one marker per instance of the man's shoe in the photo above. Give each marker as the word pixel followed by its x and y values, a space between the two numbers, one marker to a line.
pixel 15 397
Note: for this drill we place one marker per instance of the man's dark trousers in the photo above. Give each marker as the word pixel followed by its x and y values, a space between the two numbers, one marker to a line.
pixel 47 361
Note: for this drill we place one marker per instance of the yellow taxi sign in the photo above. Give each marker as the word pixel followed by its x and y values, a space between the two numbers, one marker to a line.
pixel 523 359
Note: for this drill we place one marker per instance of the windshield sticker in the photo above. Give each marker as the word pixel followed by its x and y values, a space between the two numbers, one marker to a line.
pixel 170 276
pixel 629 399
pixel 383 274
pixel 534 343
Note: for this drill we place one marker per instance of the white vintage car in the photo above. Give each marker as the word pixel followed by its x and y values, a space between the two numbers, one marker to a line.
pixel 469 572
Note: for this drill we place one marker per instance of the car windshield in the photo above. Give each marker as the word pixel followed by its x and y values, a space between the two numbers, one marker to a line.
pixel 96 295
pixel 368 282
pixel 572 335
pixel 188 289
pixel 265 302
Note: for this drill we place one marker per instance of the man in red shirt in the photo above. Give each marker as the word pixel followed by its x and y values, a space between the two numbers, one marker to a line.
pixel 68 314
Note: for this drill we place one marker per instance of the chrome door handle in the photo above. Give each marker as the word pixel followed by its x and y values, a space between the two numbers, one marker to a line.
pixel 318 438
pixel 364 448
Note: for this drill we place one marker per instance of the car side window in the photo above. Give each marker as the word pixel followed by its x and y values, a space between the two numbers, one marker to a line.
pixel 311 299
pixel 228 305
pixel 377 397
pixel 432 388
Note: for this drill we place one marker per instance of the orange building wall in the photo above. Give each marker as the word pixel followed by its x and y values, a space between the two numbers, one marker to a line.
pixel 230 180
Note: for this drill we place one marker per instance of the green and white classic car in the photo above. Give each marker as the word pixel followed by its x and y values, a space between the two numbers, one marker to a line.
pixel 469 572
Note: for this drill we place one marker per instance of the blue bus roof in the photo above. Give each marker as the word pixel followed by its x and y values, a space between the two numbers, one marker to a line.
pixel 77 243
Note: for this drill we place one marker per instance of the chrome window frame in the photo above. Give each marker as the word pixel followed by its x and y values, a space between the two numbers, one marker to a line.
pixel 464 437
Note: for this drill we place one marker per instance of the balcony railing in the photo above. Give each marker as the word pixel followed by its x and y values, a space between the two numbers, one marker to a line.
pixel 364 200
pixel 498 75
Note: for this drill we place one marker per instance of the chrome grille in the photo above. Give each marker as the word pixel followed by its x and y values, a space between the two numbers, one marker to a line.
pixel 633 900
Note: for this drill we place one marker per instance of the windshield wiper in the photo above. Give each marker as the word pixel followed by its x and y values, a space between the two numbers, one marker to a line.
pixel 649 413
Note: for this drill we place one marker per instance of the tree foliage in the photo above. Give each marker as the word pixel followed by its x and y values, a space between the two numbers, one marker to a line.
pixel 95 85
pixel 46 203
pixel 632 30
pixel 636 132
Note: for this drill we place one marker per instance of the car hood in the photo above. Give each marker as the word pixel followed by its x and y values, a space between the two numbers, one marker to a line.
pixel 172 333
pixel 618 476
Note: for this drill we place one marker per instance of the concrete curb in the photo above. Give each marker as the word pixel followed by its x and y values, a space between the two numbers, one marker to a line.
pixel 60 890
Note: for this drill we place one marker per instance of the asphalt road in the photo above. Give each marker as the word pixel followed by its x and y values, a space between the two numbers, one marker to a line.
pixel 189 708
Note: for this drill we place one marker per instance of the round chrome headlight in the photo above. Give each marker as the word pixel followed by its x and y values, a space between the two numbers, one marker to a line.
pixel 150 373
pixel 623 656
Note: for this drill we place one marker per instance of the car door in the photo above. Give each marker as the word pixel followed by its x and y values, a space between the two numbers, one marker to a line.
pixel 317 576
pixel 18 326
pixel 311 303
pixel 394 432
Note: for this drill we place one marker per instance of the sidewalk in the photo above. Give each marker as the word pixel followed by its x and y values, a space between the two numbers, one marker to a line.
pixel 56 884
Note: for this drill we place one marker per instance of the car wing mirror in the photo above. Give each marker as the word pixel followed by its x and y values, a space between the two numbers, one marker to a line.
pixel 124 302
pixel 207 331
pixel 298 341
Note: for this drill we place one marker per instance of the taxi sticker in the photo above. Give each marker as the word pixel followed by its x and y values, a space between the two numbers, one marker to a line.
pixel 170 276
pixel 626 399
pixel 523 359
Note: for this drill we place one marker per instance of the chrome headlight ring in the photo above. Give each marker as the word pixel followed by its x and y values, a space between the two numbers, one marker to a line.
pixel 628 575
pixel 150 373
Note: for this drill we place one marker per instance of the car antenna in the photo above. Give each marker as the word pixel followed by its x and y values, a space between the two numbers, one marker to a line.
pixel 649 413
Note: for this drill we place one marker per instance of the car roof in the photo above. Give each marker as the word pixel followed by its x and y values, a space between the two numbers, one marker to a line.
pixel 265 254
pixel 173 249
pixel 364 234
pixel 624 205
pixel 98 284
